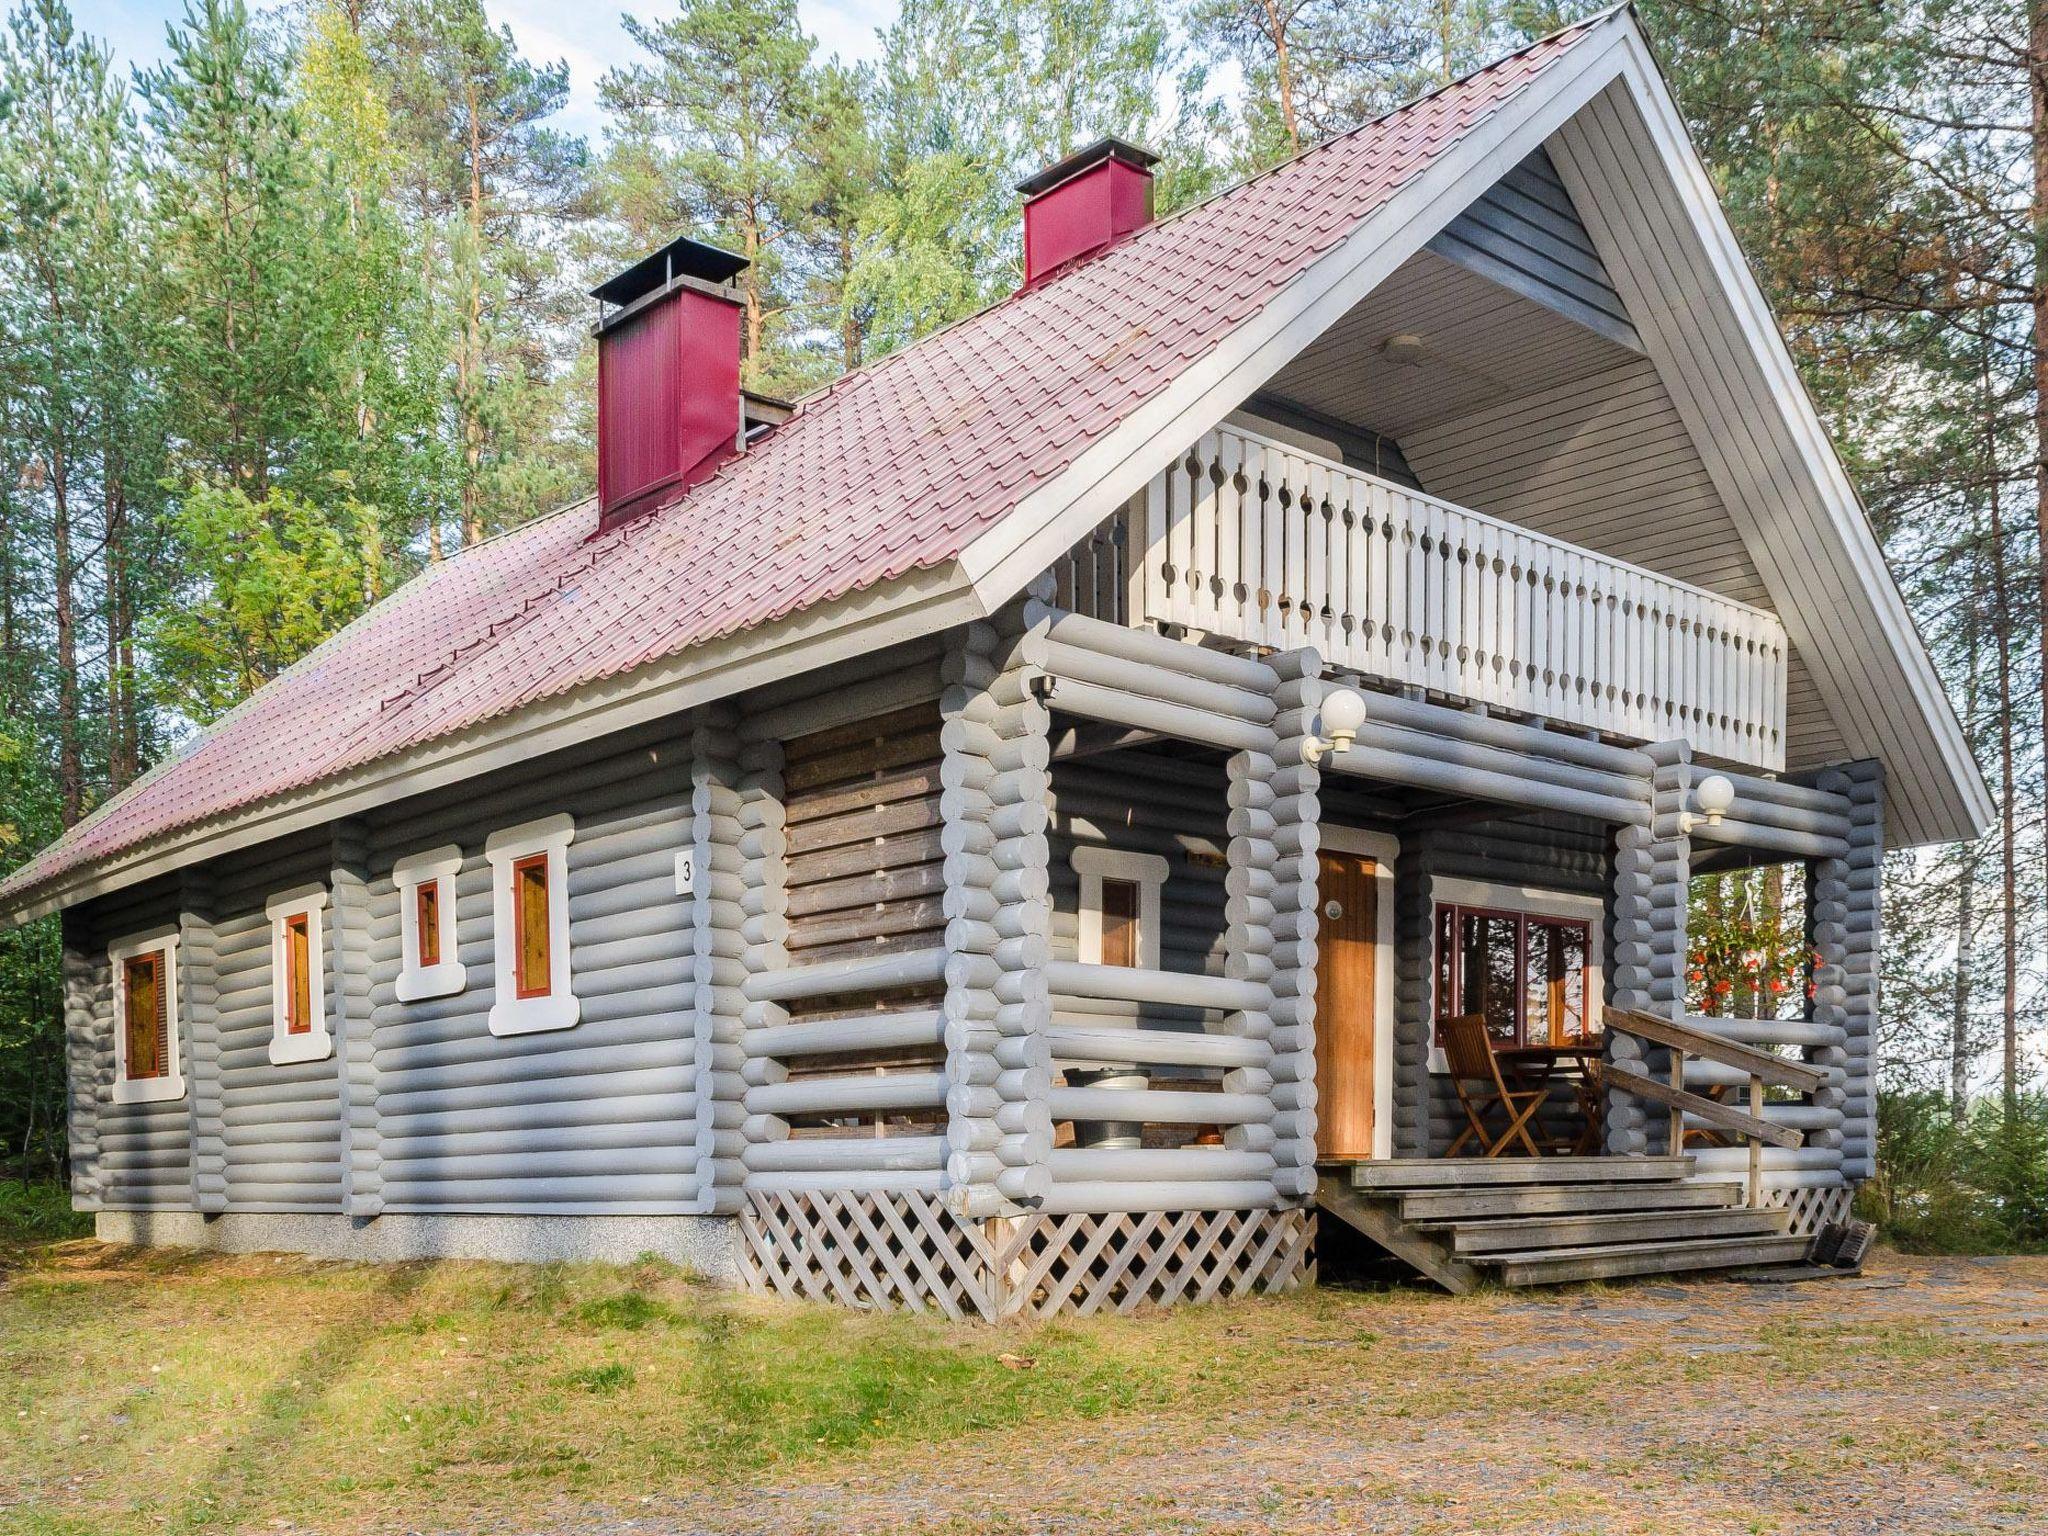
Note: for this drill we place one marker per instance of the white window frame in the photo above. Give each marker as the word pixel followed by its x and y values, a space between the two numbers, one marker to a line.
pixel 316 1044
pixel 146 1090
pixel 1147 871
pixel 512 1014
pixel 1384 849
pixel 447 977
pixel 1530 901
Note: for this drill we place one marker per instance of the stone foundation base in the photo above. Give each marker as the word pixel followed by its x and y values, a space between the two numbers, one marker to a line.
pixel 705 1244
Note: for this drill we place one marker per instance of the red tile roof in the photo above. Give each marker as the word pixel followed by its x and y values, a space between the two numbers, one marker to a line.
pixel 891 469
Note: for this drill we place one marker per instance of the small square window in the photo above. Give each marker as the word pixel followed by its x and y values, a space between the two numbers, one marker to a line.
pixel 427 966
pixel 530 927
pixel 1119 906
pixel 145 986
pixel 298 977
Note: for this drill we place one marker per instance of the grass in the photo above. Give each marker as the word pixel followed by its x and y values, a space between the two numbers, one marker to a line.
pixel 38 1212
pixel 164 1393
pixel 152 1392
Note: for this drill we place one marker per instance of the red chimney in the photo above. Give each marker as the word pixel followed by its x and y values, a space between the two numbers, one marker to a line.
pixel 1087 201
pixel 668 377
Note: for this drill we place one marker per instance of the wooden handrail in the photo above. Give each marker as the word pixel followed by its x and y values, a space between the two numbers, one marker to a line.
pixel 1683 1040
pixel 1712 1112
pixel 1776 1071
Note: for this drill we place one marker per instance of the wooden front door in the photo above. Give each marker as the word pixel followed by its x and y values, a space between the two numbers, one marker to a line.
pixel 1348 905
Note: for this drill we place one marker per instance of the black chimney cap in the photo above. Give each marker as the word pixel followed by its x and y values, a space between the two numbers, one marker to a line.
pixel 681 257
pixel 1086 159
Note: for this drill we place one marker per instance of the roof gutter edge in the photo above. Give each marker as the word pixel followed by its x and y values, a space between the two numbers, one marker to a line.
pixel 904 608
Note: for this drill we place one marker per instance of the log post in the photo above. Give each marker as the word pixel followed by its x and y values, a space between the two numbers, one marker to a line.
pixel 349 972
pixel 1844 923
pixel 738 928
pixel 1274 876
pixel 994 755
pixel 83 1073
pixel 1652 879
pixel 198 984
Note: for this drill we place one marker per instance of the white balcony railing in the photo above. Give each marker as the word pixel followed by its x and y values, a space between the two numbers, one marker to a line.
pixel 1252 540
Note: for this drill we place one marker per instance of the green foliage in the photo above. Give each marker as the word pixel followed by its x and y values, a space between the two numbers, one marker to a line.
pixel 1974 1184
pixel 268 581
pixel 38 1212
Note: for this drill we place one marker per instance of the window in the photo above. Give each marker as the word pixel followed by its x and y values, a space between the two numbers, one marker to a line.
pixel 426 924
pixel 427 966
pixel 1527 961
pixel 298 977
pixel 532 976
pixel 1119 906
pixel 530 927
pixel 145 982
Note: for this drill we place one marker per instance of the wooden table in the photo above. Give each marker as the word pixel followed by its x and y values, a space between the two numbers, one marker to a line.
pixel 1541 1064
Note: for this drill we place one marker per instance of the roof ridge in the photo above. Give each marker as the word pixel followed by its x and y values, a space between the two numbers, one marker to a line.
pixel 868 370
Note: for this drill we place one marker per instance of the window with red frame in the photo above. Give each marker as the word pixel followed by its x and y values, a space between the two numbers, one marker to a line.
pixel 1524 972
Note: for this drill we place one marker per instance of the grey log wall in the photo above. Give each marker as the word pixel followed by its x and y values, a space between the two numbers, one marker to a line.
pixel 890 1003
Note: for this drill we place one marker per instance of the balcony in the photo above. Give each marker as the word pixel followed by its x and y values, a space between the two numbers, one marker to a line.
pixel 1252 540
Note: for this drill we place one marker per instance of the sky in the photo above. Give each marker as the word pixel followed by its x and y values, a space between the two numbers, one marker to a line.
pixel 587 35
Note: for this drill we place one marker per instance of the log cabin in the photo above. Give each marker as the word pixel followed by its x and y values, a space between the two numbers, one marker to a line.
pixel 1020 829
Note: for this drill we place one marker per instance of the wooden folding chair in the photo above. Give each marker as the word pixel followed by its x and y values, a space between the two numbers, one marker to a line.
pixel 1476 1074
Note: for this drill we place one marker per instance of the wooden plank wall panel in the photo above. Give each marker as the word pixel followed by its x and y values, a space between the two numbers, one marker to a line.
pixel 866 872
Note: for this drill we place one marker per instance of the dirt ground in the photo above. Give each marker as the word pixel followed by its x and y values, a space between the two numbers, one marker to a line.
pixel 1913 1399
pixel 153 1393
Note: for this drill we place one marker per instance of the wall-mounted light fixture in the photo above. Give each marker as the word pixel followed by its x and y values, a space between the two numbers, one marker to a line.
pixel 1715 796
pixel 1342 714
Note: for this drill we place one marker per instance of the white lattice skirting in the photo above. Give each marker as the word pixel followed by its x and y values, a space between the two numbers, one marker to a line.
pixel 1812 1209
pixel 908 1252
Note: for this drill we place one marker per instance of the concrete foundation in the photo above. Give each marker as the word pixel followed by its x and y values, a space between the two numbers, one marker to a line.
pixel 704 1244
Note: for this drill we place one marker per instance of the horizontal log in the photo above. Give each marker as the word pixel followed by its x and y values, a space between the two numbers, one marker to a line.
pixel 1159 1106
pixel 1111 1044
pixel 1507 789
pixel 1152 649
pixel 1117 707
pixel 1154 682
pixel 1110 1195
pixel 828 978
pixel 1144 1165
pixel 849 1093
pixel 1132 984
pixel 865 1032
pixel 836 1154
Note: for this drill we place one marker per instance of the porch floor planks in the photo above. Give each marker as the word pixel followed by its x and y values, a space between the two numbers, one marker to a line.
pixel 1391 1175
pixel 1564 1200
pixel 1471 1238
pixel 1565 1265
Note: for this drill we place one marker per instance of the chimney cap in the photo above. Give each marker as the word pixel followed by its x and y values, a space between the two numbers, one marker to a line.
pixel 1085 159
pixel 682 257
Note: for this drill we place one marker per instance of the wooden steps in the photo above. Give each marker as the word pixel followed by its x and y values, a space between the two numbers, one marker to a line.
pixel 1551 1221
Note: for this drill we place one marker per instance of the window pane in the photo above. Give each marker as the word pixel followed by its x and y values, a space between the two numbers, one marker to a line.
pixel 1556 996
pixel 1119 922
pixel 427 922
pixel 1486 971
pixel 143 980
pixel 530 918
pixel 298 975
